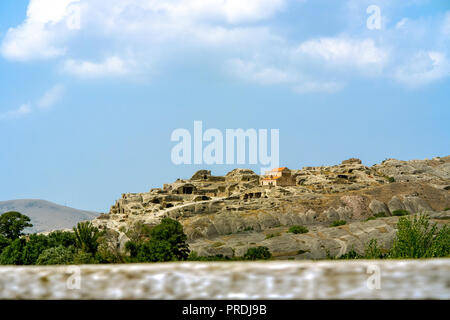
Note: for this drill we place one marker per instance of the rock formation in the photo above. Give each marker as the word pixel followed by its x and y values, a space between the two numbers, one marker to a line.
pixel 228 214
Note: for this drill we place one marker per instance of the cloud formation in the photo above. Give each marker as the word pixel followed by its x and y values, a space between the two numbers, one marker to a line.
pixel 240 35
pixel 16 113
pixel 51 97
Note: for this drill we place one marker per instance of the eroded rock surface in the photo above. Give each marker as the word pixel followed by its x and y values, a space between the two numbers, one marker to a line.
pixel 237 211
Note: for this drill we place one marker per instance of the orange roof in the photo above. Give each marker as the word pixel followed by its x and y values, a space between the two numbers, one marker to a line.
pixel 271 178
pixel 279 169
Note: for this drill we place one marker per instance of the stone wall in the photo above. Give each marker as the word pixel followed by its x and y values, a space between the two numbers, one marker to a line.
pixel 407 279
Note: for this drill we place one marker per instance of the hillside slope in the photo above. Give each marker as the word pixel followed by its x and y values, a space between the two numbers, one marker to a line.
pixel 46 215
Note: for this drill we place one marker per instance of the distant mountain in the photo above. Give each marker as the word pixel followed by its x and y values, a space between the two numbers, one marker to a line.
pixel 46 215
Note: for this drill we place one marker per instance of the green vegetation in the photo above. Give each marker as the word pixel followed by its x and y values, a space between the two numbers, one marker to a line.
pixel 377 215
pixel 86 237
pixel 164 242
pixel 12 224
pixel 416 238
pixel 272 235
pixel 258 253
pixel 298 229
pixel 56 255
pixel 391 179
pixel 401 212
pixel 217 244
pixel 446 209
pixel 255 253
pixel 338 223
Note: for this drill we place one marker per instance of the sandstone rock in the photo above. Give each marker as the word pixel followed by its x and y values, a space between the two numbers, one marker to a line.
pixel 352 161
pixel 377 206
pixel 396 204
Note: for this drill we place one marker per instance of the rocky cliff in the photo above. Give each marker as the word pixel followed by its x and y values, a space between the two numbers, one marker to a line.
pixel 228 214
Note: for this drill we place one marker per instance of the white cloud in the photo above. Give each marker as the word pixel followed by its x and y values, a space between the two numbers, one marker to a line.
pixel 258 73
pixel 48 100
pixel 423 68
pixel 51 97
pixel 39 35
pixel 17 113
pixel 111 66
pixel 343 51
pixel 319 87
pixel 446 25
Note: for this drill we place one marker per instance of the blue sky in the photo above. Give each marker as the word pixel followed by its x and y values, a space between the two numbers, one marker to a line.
pixel 91 90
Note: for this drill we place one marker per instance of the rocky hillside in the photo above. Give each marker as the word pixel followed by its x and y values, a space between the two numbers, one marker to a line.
pixel 45 215
pixel 228 214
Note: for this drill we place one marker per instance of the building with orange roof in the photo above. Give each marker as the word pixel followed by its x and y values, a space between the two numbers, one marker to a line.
pixel 278 177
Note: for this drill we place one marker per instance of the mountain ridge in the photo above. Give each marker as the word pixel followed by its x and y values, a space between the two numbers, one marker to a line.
pixel 46 215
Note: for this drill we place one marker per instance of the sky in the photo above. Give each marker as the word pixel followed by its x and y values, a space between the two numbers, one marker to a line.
pixel 91 90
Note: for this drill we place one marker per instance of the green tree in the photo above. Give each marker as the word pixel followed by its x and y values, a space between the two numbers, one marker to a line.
pixel 86 237
pixel 417 238
pixel 12 224
pixel 56 255
pixel 62 238
pixel 13 254
pixel 4 242
pixel 167 243
pixel 34 246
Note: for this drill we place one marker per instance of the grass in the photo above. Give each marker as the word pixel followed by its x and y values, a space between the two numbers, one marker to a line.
pixel 217 244
pixel 400 213
pixel 298 229
pixel 273 235
pixel 338 223
pixel 377 215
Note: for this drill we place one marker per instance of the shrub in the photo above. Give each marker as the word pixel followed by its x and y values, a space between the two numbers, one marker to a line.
pixel 272 235
pixel 56 255
pixel 446 209
pixel 400 212
pixel 258 253
pixel 380 214
pixel 391 179
pixel 417 238
pixel 12 224
pixel 81 257
pixel 338 223
pixel 352 254
pixel 298 229
pixel 193 256
pixel 372 251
